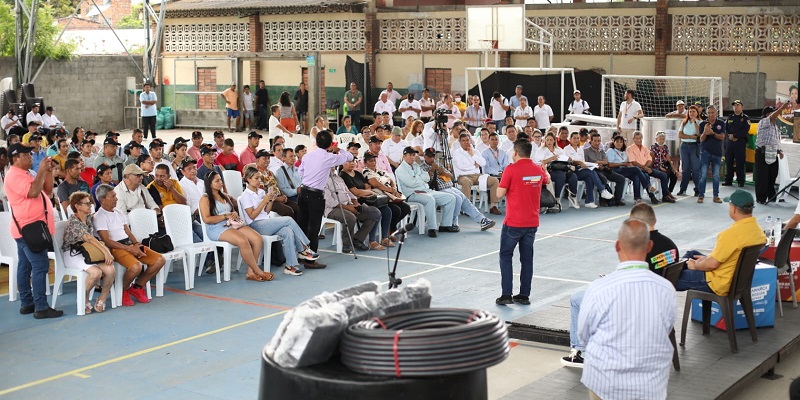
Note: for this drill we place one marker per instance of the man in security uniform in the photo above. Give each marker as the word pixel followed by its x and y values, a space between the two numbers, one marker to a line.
pixel 738 128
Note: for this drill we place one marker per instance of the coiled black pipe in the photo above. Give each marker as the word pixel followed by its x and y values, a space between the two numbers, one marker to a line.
pixel 426 342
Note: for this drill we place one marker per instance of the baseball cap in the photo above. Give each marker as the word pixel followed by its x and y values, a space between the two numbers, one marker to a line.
pixel 576 91
pixel 369 156
pixel 218 134
pixel 263 153
pixel 206 149
pixel 110 140
pixel 375 139
pixel 18 148
pixel 519 86
pixel 34 137
pixel 409 150
pixel 112 133
pixel 156 143
pixel 84 141
pixel 180 139
pixel 698 103
pixel 741 198
pixel 104 167
pixel 187 162
pixel 354 144
pixel 397 132
pixel 679 102
pixel 739 102
pixel 132 169
pixel 133 144
pixel 197 134
pixel 254 134
pixel 767 111
pixel 430 152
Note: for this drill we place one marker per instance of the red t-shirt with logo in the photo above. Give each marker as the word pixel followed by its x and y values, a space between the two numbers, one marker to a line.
pixel 523 181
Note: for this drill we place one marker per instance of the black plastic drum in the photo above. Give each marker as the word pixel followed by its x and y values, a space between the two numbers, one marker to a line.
pixel 333 380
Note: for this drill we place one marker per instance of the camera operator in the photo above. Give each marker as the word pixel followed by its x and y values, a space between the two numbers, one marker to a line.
pixel 453 114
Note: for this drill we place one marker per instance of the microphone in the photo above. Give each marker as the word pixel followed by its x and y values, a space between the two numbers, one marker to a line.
pixel 402 231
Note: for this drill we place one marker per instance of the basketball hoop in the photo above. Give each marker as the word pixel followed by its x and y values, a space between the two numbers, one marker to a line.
pixel 488 45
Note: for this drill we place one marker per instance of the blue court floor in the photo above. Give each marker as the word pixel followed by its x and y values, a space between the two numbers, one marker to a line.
pixel 206 343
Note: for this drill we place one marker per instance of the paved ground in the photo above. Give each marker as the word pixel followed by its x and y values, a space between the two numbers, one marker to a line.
pixel 206 343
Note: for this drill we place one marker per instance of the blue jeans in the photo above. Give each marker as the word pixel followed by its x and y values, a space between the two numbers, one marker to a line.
pixel 690 165
pixel 32 268
pixel 292 237
pixel 464 205
pixel 574 309
pixel 560 179
pixel 386 223
pixel 592 181
pixel 429 201
pixel 637 177
pixel 716 161
pixel 692 279
pixel 509 238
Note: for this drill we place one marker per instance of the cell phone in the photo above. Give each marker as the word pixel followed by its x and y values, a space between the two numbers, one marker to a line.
pixel 141 248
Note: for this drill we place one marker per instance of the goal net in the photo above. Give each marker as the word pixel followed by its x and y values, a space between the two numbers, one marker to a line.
pixel 659 94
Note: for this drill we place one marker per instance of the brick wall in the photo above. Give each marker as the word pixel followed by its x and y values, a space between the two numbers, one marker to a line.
pixel 438 80
pixel 207 82
pixel 118 9
pixel 256 44
pixel 663 36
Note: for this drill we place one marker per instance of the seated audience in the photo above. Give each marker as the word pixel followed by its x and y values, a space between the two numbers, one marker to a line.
pixel 588 175
pixel 105 175
pixel 109 157
pixel 381 183
pixel 343 206
pixel 595 154
pixel 281 205
pixel 179 153
pixel 131 194
pixel 639 155
pixel 467 165
pixel 661 159
pixel 165 190
pixel 413 182
pixel 112 227
pixel 193 189
pixel 288 177
pixel 619 163
pixel 206 162
pixel 393 149
pixel 72 183
pixel 496 159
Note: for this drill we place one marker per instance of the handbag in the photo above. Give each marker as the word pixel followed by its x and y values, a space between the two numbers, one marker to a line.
pixel 160 243
pixel 560 166
pixel 235 223
pixel 92 254
pixel 376 200
pixel 36 234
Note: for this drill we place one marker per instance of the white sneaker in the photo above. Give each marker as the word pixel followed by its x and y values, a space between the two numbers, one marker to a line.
pixel 606 195
pixel 590 205
pixel 573 202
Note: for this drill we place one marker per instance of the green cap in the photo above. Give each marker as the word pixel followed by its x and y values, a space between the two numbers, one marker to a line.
pixel 741 198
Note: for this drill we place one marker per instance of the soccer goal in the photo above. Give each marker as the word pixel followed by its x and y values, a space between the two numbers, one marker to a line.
pixel 658 94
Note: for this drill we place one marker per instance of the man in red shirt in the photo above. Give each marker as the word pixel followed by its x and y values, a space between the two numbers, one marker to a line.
pixel 228 158
pixel 522 183
pixel 248 156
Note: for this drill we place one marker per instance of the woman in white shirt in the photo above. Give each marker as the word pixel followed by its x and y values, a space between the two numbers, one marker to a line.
pixel 256 206
pixel 522 113
pixel 548 153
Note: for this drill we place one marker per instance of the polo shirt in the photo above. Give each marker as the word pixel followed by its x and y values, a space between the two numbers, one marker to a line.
pixel 148 111
pixel 410 104
pixel 542 115
pixel 26 209
pixel 251 199
pixel 193 191
pixel 117 160
pixel 128 200
pixel 227 161
pixel 113 221
pixel 663 253
pixel 394 151
pixel 202 171
pixel 66 189
pixel 381 107
pixel 248 156
pixel 712 144
pixel 639 154
pixel 353 98
pixel 730 242
pixel 166 196
pixel 523 181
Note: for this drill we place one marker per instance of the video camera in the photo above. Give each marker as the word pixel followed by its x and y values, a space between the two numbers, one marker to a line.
pixel 440 115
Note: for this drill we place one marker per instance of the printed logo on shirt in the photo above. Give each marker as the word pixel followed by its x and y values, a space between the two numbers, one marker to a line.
pixel 661 260
pixel 533 180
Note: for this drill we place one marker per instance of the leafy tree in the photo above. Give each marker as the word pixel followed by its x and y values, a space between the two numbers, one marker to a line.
pixel 46 34
pixel 133 20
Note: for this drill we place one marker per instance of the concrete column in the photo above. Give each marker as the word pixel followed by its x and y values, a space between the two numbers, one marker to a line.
pixel 663 37
pixel 256 45
pixel 372 41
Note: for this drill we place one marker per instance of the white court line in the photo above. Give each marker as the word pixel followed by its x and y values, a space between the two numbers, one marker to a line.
pixel 516 274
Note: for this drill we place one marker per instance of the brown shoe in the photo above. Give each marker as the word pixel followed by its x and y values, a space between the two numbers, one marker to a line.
pixel 717 200
pixel 494 211
pixel 699 199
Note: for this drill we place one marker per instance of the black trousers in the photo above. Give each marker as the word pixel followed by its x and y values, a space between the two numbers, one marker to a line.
pixel 312 207
pixel 765 176
pixel 262 116
pixel 619 181
pixel 149 123
pixel 735 155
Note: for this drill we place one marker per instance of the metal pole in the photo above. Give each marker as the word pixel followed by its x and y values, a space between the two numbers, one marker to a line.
pixel 480 87
pixel 58 40
pixel 120 40
pixel 757 103
pixel 146 26
pixel 31 39
pixel 602 97
pixel 562 95
pixel 611 64
pixel 686 74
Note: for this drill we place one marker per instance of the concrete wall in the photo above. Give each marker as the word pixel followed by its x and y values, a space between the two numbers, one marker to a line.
pixel 88 91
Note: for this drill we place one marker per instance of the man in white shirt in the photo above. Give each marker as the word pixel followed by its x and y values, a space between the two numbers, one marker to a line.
pixel 393 149
pixel 149 112
pixel 427 104
pixel 384 105
pixel 276 161
pixel 543 114
pixel 585 173
pixel 9 121
pixel 467 165
pixel 392 94
pixel 508 144
pixel 629 111
pixel 34 115
pixel 522 113
pixel 49 121
pixel 193 190
pixel 578 106
pixel 680 110
pixel 248 101
pixel 455 113
pixel 409 108
pixel 131 194
pixel 498 108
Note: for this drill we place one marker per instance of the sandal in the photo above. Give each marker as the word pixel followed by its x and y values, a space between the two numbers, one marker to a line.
pixel 256 278
pixel 100 306
pixel 88 309
pixel 267 276
pixel 393 238
pixel 376 246
pixel 387 242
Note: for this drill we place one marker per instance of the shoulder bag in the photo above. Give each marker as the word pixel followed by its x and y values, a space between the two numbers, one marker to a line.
pixel 90 252
pixel 36 234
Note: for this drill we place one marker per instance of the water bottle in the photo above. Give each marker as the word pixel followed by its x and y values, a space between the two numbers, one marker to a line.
pixel 769 229
pixel 776 231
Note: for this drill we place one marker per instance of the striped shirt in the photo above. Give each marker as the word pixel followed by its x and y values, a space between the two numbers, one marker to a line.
pixel 768 134
pixel 625 320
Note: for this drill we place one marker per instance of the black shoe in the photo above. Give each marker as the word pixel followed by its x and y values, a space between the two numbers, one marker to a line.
pixel 361 246
pixel 504 300
pixel 449 229
pixel 741 185
pixel 524 300
pixel 313 264
pixel 653 199
pixel 727 183
pixel 48 313
pixel 432 232
pixel 667 199
pixel 574 359
pixel 25 310
pixel 682 193
pixel 620 203
pixel 347 250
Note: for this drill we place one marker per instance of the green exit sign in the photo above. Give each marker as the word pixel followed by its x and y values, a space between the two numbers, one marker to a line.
pixel 332 70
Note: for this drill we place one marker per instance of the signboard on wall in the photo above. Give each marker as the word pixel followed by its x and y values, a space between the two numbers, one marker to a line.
pixel 786 91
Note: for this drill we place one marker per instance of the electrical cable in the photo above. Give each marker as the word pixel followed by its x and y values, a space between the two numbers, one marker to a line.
pixel 427 342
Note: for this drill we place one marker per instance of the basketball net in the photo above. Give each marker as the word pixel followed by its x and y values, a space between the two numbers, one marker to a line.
pixel 489 46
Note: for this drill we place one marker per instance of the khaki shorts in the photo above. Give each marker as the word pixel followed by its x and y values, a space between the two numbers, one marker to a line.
pixel 128 260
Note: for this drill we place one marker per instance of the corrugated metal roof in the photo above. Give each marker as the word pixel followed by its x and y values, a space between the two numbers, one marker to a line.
pixel 181 5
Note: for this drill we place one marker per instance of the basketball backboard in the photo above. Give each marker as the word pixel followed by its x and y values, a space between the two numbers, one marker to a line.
pixel 503 23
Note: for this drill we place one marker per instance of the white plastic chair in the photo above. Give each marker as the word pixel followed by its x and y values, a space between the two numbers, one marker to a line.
pixel 418 213
pixel 227 250
pixel 345 138
pixel 143 223
pixel 79 274
pixel 266 253
pixel 178 222
pixel 233 183
pixel 337 232
pixel 8 255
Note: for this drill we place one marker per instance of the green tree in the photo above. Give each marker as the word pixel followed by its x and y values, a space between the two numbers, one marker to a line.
pixel 46 34
pixel 132 20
